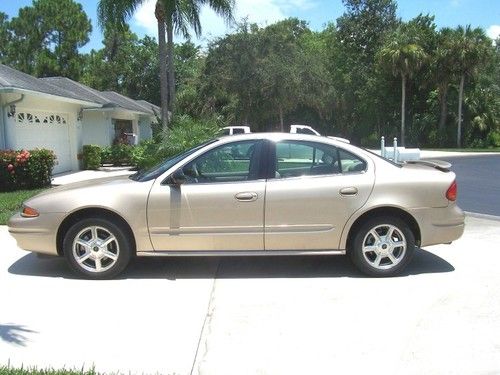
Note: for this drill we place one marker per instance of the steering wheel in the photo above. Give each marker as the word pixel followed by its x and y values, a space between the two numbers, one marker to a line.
pixel 192 172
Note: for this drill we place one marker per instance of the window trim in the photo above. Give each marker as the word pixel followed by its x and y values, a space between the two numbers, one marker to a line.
pixel 271 157
pixel 259 147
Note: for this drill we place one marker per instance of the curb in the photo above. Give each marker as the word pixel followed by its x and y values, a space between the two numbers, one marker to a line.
pixel 482 216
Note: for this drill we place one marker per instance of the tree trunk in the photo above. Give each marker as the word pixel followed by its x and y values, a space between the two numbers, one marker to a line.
pixel 403 99
pixel 160 17
pixel 282 127
pixel 443 97
pixel 170 65
pixel 460 99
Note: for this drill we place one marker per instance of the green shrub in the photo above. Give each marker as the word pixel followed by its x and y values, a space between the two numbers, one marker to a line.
pixel 91 157
pixel 184 133
pixel 371 141
pixel 494 138
pixel 26 169
pixel 106 155
pixel 142 153
pixel 121 154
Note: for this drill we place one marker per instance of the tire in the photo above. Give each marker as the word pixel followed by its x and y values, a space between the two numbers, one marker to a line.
pixel 97 248
pixel 376 255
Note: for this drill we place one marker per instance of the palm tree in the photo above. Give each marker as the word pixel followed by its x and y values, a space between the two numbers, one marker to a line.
pixel 404 56
pixel 443 60
pixel 470 50
pixel 172 16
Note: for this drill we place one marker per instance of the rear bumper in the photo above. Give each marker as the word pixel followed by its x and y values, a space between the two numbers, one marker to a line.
pixel 36 234
pixel 440 225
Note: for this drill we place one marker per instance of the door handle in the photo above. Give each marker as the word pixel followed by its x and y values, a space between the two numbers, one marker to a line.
pixel 348 191
pixel 246 196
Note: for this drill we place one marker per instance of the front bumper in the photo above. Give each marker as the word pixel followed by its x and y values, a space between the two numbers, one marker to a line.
pixel 36 234
pixel 439 225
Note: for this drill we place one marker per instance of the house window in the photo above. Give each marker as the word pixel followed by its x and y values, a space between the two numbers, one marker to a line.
pixel 123 132
pixel 26 118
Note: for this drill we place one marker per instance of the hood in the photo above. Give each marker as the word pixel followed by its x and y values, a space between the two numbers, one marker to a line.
pixel 100 192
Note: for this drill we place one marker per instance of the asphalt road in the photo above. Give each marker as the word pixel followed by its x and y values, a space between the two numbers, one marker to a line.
pixel 478 179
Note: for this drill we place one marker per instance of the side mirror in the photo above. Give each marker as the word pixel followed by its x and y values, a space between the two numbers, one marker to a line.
pixel 177 178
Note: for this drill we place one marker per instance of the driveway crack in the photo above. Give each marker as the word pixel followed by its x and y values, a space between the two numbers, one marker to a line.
pixel 206 327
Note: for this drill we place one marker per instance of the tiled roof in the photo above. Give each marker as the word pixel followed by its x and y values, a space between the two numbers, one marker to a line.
pixel 12 78
pixel 67 88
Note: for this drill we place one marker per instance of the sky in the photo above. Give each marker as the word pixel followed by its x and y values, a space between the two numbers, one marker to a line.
pixel 448 13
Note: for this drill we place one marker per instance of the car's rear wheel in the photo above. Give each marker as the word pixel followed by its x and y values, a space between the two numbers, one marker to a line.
pixel 97 248
pixel 383 246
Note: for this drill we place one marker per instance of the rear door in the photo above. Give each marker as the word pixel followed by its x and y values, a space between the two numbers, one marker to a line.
pixel 313 190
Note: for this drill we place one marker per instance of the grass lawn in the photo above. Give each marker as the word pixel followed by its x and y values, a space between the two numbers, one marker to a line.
pixel 34 371
pixel 10 202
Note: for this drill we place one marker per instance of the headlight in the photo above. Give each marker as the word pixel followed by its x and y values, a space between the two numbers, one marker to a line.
pixel 29 212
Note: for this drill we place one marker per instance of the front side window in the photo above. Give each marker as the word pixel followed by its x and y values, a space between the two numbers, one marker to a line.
pixel 237 161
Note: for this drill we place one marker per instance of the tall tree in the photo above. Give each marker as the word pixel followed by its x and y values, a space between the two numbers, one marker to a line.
pixel 470 48
pixel 4 35
pixel 125 64
pixel 172 16
pixel 443 60
pixel 404 56
pixel 45 38
pixel 231 76
pixel 360 32
pixel 282 65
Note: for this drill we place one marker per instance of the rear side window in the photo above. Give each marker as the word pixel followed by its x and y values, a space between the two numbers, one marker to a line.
pixel 350 163
pixel 299 158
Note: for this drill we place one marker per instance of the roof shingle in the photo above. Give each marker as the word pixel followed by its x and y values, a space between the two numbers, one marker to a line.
pixel 67 88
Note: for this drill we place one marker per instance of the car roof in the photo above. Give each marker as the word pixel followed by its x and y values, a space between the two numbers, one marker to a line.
pixel 277 136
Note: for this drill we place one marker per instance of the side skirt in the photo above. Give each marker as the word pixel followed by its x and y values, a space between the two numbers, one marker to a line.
pixel 239 253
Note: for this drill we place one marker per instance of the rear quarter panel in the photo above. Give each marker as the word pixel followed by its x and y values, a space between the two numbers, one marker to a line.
pixel 411 188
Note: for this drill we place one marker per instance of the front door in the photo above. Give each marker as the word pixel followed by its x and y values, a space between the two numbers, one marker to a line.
pixel 315 189
pixel 219 207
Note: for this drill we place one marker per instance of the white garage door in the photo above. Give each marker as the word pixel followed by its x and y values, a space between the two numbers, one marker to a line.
pixel 45 130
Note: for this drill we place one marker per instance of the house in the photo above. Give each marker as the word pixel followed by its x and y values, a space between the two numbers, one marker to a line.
pixel 62 115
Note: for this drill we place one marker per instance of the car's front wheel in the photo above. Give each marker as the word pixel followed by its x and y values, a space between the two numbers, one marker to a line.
pixel 382 246
pixel 97 248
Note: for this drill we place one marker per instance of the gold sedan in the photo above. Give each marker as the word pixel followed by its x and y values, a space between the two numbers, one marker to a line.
pixel 253 194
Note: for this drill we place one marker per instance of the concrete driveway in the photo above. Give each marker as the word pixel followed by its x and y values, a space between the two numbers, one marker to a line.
pixel 249 315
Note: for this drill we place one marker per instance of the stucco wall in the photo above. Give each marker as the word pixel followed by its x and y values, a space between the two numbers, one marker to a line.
pixel 2 125
pixel 96 128
pixel 145 131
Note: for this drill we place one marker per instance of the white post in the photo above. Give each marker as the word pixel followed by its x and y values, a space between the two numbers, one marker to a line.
pixel 395 150
pixel 382 147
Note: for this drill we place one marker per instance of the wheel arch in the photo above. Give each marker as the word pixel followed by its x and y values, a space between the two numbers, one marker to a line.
pixel 84 213
pixel 384 211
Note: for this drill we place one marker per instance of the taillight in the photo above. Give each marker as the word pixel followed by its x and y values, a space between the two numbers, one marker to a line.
pixel 451 193
pixel 29 212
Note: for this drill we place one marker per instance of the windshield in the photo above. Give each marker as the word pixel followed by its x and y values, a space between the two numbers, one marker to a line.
pixel 159 169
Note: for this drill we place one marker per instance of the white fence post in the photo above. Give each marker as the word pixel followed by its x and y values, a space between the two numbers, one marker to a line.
pixel 395 150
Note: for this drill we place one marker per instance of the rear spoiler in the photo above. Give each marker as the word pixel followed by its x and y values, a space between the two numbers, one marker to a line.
pixel 440 165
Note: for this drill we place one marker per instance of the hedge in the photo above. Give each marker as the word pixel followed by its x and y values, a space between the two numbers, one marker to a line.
pixel 91 157
pixel 26 169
